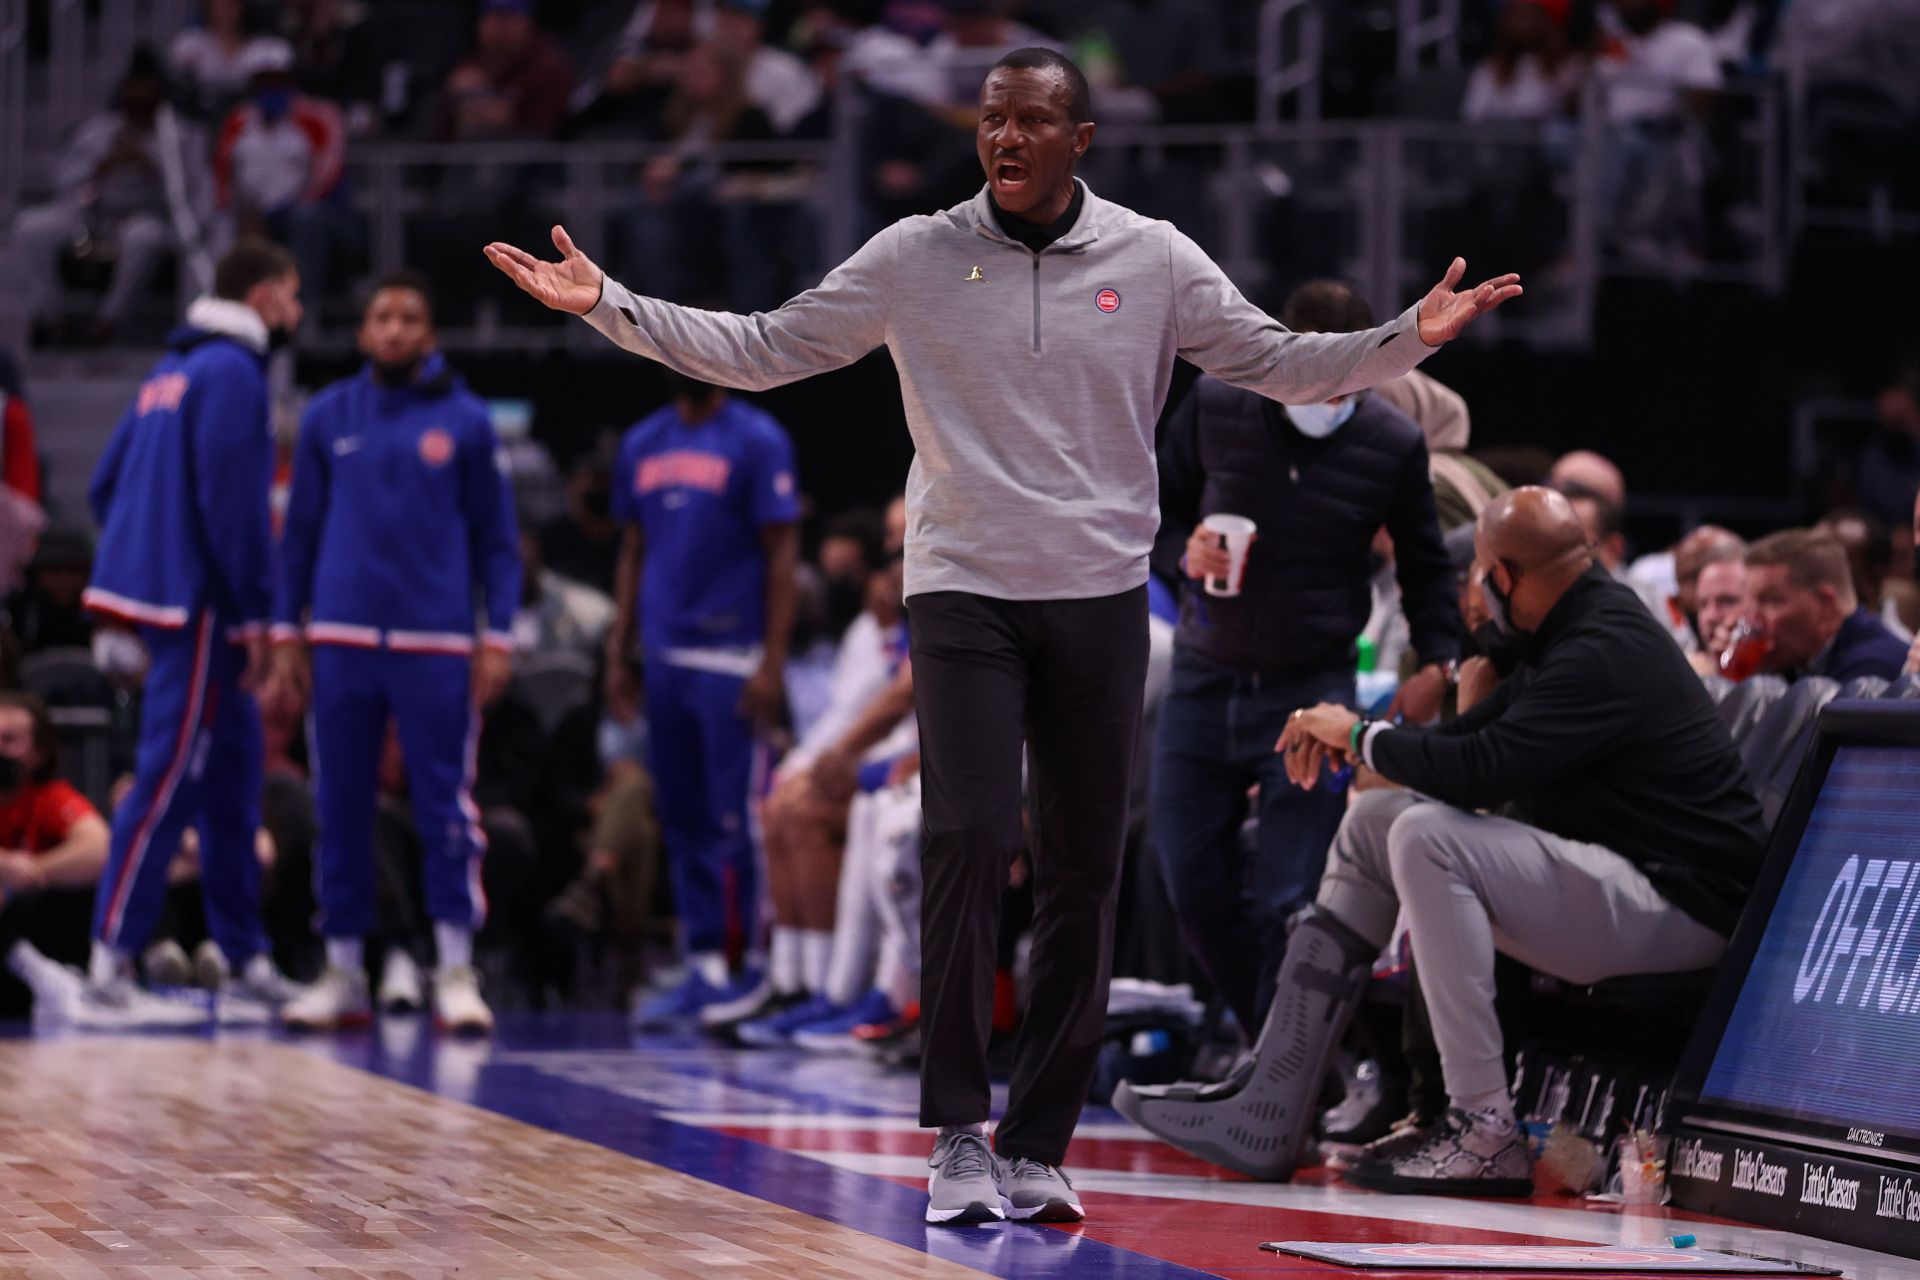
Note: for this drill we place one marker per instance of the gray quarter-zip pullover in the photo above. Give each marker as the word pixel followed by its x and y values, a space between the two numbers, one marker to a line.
pixel 1031 382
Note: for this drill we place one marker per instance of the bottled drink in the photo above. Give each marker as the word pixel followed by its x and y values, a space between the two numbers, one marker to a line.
pixel 1745 654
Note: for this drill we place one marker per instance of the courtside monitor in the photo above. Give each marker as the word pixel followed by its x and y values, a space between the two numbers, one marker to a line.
pixel 1798 1101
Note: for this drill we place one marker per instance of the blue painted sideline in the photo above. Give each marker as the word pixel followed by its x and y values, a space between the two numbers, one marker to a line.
pixel 874 1205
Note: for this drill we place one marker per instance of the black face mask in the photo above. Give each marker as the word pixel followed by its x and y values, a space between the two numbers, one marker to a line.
pixel 278 337
pixel 12 773
pixel 597 503
pixel 846 597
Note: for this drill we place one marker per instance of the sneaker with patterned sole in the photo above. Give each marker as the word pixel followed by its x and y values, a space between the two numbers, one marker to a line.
pixel 963 1190
pixel 1036 1192
pixel 1466 1154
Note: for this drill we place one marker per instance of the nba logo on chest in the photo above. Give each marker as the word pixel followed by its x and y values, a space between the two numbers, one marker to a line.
pixel 436 447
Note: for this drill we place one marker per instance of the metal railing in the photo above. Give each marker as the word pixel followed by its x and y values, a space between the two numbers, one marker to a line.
pixel 1429 35
pixel 13 106
pixel 1289 41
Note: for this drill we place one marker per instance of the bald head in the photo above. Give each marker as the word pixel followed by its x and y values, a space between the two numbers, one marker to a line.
pixel 1533 528
pixel 1529 547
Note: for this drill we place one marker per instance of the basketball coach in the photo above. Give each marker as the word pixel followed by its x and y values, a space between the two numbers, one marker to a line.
pixel 1034 328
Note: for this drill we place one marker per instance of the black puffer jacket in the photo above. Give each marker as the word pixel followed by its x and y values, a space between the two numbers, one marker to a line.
pixel 1317 504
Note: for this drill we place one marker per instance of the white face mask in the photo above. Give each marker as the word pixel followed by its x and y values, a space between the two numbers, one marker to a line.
pixel 1318 421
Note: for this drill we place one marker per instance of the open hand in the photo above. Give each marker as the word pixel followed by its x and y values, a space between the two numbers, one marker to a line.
pixel 1444 313
pixel 571 284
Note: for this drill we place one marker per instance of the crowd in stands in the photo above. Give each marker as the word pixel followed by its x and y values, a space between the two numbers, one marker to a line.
pixel 1364 593
pixel 245 123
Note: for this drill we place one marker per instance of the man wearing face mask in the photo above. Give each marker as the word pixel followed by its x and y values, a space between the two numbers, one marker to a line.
pixel 1318 480
pixel 1636 842
pixel 400 517
pixel 185 555
pixel 278 165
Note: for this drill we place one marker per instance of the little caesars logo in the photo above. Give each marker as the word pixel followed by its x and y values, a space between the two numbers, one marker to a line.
pixel 1751 1172
pixel 1693 1160
pixel 1899 1199
pixel 1824 1186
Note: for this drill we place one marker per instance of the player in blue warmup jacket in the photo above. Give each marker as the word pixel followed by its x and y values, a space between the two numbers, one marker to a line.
pixel 706 489
pixel 185 555
pixel 400 517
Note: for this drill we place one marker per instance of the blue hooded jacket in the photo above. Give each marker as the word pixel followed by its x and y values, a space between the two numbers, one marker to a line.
pixel 400 510
pixel 181 494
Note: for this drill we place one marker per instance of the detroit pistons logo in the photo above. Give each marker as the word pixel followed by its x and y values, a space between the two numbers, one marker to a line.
pixel 1107 300
pixel 436 447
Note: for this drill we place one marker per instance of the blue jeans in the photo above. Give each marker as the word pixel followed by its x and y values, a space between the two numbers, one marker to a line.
pixel 1214 742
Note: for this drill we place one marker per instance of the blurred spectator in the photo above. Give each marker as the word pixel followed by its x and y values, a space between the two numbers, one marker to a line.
pixel 1869 548
pixel 1886 473
pixel 1857 43
pixel 1604 522
pixel 1172 50
pixel 1720 600
pixel 1529 74
pixel 334 57
pixel 625 97
pixel 1805 607
pixel 776 82
pixel 1655 68
pixel 212 62
pixel 47 613
pixel 836 41
pixel 583 543
pixel 852 550
pixel 516 84
pixel 1658 75
pixel 1709 544
pixel 675 252
pixel 555 614
pixel 978 33
pixel 277 170
pixel 19 444
pixel 1462 485
pixel 53 844
pixel 1590 471
pixel 130 189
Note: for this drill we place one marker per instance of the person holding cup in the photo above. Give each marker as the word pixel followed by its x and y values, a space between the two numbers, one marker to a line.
pixel 1268 518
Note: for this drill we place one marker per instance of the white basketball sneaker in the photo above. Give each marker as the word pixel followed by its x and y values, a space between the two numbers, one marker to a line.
pixel 400 988
pixel 338 999
pixel 457 1003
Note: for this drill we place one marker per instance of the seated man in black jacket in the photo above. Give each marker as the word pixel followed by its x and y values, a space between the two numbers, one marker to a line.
pixel 1318 481
pixel 1637 843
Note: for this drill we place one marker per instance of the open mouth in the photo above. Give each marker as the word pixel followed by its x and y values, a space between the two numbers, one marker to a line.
pixel 1009 174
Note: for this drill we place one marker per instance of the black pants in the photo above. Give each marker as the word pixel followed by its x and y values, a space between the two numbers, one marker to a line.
pixel 1066 678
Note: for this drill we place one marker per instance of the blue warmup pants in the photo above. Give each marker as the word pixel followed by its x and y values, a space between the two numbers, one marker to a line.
pixel 705 760
pixel 429 697
pixel 198 763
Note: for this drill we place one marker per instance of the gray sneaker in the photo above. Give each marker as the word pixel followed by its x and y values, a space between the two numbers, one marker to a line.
pixel 963 1189
pixel 1036 1192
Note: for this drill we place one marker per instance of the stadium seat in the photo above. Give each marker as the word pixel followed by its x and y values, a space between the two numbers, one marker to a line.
pixel 1742 706
pixel 1718 687
pixel 1865 687
pixel 1772 749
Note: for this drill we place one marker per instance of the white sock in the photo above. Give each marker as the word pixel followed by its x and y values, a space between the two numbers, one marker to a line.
pixel 1496 1106
pixel 816 952
pixel 104 964
pixel 455 945
pixel 711 966
pixel 978 1129
pixel 347 955
pixel 787 973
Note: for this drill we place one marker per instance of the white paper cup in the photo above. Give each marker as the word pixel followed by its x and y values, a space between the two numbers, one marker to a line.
pixel 1236 535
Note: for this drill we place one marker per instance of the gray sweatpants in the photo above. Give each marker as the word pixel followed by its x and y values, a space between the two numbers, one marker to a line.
pixel 1474 885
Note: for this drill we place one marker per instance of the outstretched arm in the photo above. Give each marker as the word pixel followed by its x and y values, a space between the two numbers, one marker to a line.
pixel 1235 341
pixel 825 328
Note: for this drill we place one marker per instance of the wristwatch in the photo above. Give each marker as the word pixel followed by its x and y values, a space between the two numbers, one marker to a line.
pixel 1451 670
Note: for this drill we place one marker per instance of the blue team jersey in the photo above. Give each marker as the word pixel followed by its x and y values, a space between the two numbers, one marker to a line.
pixel 701 495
